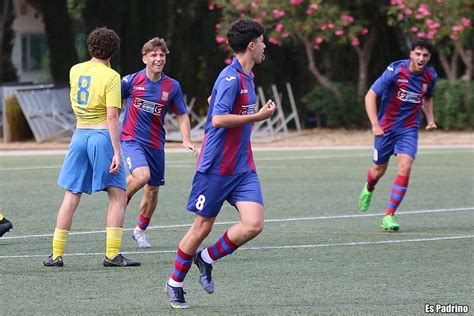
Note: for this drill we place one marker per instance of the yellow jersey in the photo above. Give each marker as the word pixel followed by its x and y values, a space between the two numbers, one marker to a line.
pixel 94 88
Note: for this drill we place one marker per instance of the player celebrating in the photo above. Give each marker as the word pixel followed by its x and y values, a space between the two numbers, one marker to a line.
pixel 149 94
pixel 225 169
pixel 93 161
pixel 404 87
pixel 5 225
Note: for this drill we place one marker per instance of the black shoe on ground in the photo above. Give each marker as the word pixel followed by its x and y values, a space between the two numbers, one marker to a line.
pixel 176 297
pixel 120 261
pixel 5 226
pixel 50 262
pixel 205 279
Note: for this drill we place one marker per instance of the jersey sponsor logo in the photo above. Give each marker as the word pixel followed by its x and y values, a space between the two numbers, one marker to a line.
pixel 402 80
pixel 408 96
pixel 247 109
pixel 138 88
pixel 243 91
pixel 148 106
pixel 230 78
pixel 164 96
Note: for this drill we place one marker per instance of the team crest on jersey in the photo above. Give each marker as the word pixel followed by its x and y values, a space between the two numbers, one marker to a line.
pixel 148 106
pixel 164 96
pixel 247 109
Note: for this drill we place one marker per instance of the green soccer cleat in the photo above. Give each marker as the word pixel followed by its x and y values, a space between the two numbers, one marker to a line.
pixel 364 199
pixel 389 223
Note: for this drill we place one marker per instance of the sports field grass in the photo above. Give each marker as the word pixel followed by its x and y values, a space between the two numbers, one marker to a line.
pixel 317 254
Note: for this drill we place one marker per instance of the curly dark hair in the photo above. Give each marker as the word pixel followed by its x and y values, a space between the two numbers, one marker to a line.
pixel 422 43
pixel 242 32
pixel 103 43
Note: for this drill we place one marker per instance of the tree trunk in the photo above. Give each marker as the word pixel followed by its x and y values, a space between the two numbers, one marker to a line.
pixel 466 57
pixel 7 69
pixel 364 55
pixel 323 80
pixel 450 66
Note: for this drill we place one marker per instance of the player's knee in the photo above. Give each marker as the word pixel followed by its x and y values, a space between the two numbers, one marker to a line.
pixel 254 229
pixel 142 179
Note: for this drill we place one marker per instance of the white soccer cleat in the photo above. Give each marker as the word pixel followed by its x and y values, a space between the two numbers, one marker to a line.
pixel 141 238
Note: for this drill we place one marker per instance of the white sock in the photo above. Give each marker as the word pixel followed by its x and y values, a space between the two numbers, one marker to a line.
pixel 173 283
pixel 138 228
pixel 205 256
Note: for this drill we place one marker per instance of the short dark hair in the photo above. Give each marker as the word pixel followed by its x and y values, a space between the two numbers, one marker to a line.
pixel 422 42
pixel 242 32
pixel 103 43
pixel 153 44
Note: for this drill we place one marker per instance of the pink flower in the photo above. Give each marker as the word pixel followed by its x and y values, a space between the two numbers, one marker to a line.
pixel 330 25
pixel 240 7
pixel 259 20
pixel 285 35
pixel 421 34
pixel 324 26
pixel 279 27
pixel 278 13
pixel 465 21
pixel 457 28
pixel 364 31
pixel 347 18
pixel 424 10
pixel 311 8
pixel 400 17
pixel 220 39
pixel 263 13
pixel 210 6
pixel 414 29
pixel 296 2
pixel 253 5
pixel 407 11
pixel 431 34
pixel 273 40
pixel 339 32
pixel 355 41
pixel 454 37
pixel 318 40
pixel 242 15
pixel 218 26
pixel 228 61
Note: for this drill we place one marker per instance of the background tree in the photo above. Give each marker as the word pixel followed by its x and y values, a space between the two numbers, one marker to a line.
pixel 313 23
pixel 62 52
pixel 7 70
pixel 447 23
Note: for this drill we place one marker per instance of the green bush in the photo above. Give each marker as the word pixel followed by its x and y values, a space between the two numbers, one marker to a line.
pixel 345 113
pixel 453 104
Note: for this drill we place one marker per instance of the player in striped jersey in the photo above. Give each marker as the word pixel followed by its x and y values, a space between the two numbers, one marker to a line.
pixel 405 88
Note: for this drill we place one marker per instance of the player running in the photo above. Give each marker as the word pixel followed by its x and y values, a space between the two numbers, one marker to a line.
pixel 225 169
pixel 405 87
pixel 149 94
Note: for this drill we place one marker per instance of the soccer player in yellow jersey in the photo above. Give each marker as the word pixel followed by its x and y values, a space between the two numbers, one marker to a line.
pixel 93 161
pixel 5 225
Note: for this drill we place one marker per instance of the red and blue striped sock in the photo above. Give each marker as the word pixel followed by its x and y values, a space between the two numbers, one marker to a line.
pixel 182 264
pixel 143 222
pixel 399 188
pixel 371 182
pixel 221 248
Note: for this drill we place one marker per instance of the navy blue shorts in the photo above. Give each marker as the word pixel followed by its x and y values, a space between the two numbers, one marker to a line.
pixel 86 166
pixel 137 155
pixel 391 143
pixel 209 192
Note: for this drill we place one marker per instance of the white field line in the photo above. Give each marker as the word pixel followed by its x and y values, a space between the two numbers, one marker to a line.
pixel 360 243
pixel 191 163
pixel 291 219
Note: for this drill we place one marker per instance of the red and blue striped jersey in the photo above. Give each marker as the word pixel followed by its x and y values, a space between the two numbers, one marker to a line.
pixel 146 104
pixel 228 151
pixel 402 95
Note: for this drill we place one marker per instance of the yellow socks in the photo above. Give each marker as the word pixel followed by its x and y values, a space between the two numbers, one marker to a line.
pixel 59 242
pixel 113 241
pixel 1 216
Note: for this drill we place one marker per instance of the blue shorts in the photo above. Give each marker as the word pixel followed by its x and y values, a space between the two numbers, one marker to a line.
pixel 137 155
pixel 209 192
pixel 405 142
pixel 86 166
